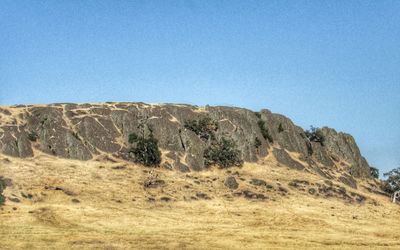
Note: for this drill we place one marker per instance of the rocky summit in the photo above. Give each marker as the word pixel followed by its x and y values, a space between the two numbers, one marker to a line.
pixel 183 132
pixel 170 176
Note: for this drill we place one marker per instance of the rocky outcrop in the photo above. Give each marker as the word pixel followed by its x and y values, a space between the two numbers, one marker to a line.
pixel 82 131
pixel 343 146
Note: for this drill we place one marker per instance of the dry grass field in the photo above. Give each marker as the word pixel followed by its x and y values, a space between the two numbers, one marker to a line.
pixel 102 204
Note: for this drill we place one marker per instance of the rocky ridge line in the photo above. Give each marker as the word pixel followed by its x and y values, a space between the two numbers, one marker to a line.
pixel 83 131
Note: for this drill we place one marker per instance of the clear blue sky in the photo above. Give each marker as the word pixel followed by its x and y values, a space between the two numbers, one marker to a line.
pixel 334 63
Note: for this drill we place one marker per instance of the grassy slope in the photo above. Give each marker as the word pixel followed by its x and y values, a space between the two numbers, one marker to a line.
pixel 114 211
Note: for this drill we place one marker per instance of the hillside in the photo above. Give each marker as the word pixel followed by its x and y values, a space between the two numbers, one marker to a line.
pixel 70 181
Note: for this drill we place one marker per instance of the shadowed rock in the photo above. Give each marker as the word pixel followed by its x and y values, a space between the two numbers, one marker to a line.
pixel 258 182
pixel 283 157
pixel 348 180
pixel 231 183
pixel 343 146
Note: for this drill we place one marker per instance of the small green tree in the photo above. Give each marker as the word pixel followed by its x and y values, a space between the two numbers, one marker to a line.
pixel 146 151
pixel 204 127
pixel 392 183
pixel 315 135
pixel 222 153
pixel 374 172
pixel 133 137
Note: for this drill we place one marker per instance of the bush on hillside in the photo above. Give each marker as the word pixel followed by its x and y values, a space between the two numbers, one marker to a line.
pixel 222 153
pixel 204 127
pixel 133 137
pixel 315 135
pixel 264 131
pixel 392 183
pixel 146 150
pixel 374 172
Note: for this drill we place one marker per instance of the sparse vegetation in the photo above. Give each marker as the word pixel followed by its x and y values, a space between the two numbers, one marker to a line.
pixel 146 151
pixel 392 183
pixel 133 137
pixel 257 142
pixel 374 172
pixel 32 136
pixel 280 128
pixel 309 148
pixel 264 131
pixel 42 122
pixel 315 135
pixel 204 127
pixel 258 114
pixel 223 154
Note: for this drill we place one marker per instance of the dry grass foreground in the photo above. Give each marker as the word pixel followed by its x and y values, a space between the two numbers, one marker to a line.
pixel 101 204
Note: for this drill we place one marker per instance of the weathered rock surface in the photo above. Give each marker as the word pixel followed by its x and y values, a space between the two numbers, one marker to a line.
pixel 343 146
pixel 283 157
pixel 231 183
pixel 82 131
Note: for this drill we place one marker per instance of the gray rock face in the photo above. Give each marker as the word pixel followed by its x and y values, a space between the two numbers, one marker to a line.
pixel 283 157
pixel 55 136
pixel 291 138
pixel 81 131
pixel 343 146
pixel 14 142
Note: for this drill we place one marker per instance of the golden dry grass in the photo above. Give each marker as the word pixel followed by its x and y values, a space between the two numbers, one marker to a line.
pixel 114 211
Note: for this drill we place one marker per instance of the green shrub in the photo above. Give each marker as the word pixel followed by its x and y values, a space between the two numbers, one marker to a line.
pixel 204 127
pixel 264 131
pixel 392 183
pixel 133 137
pixel 280 128
pixel 374 172
pixel 223 154
pixel 258 114
pixel 32 136
pixel 315 135
pixel 146 151
pixel 257 143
